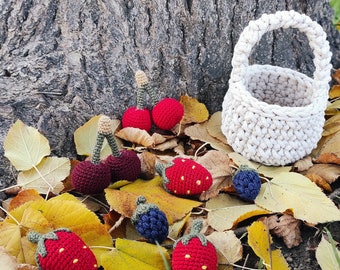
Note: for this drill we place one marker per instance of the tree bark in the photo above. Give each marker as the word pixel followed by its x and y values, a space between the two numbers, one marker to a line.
pixel 63 61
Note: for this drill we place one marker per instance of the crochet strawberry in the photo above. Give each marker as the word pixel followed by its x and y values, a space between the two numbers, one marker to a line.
pixel 138 116
pixel 193 251
pixel 184 176
pixel 150 221
pixel 166 113
pixel 124 164
pixel 247 183
pixel 92 176
pixel 62 249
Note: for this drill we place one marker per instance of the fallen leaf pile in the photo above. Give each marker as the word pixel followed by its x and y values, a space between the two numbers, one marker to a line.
pixel 290 197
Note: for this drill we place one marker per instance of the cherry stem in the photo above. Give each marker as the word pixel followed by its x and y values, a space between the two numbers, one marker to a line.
pixel 140 99
pixel 151 92
pixel 113 145
pixel 95 159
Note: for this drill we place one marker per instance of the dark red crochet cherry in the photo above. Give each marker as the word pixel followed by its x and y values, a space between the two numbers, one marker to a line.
pixel 90 178
pixel 167 113
pixel 137 118
pixel 125 166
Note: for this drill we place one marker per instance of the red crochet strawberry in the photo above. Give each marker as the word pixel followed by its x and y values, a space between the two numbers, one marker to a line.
pixel 124 164
pixel 184 176
pixel 167 113
pixel 138 116
pixel 92 176
pixel 62 249
pixel 193 251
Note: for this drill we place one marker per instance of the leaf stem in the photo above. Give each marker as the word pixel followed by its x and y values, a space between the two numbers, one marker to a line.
pixel 11 216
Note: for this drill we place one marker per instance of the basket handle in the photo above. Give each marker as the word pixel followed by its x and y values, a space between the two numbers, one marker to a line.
pixel 283 19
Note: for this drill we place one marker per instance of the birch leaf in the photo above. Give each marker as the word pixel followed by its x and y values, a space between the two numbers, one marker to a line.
pixel 325 255
pixel 260 241
pixel 47 176
pixel 194 111
pixel 25 146
pixel 296 192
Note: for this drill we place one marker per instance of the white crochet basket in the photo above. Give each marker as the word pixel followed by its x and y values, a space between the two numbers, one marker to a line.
pixel 270 114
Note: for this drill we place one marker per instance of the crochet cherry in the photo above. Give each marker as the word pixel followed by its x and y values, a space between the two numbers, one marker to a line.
pixel 62 249
pixel 247 183
pixel 166 113
pixel 184 176
pixel 193 251
pixel 124 164
pixel 92 176
pixel 150 221
pixel 138 116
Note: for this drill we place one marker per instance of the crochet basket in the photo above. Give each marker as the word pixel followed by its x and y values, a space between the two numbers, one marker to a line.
pixel 270 114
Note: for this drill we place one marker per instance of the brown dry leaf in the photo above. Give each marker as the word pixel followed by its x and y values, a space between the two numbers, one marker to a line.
pixel 329 172
pixel 303 164
pixel 285 226
pixel 333 108
pixel 136 135
pixel 26 267
pixel 148 161
pixel 115 224
pixel 214 127
pixel 328 158
pixel 158 138
pixel 322 183
pixel 167 145
pixel 23 197
pixel 334 92
pixel 332 125
pixel 229 247
pixel 336 76
pixel 199 132
pixel 330 145
pixel 217 163
pixel 194 111
pixel 7 261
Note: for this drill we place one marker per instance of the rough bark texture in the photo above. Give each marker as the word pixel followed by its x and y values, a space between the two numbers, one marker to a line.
pixel 63 61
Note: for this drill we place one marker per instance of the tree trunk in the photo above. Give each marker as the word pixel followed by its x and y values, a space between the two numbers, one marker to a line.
pixel 64 61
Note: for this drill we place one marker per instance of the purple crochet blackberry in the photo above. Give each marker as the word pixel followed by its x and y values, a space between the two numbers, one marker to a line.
pixel 150 222
pixel 247 182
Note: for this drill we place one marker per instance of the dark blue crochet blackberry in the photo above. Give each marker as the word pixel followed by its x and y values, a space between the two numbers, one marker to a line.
pixel 150 221
pixel 247 183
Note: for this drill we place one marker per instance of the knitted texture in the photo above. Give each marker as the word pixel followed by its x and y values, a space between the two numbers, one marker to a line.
pixel 270 114
pixel 194 251
pixel 126 166
pixel 184 176
pixel 62 249
pixel 167 113
pixel 90 178
pixel 137 118
pixel 150 221
pixel 247 183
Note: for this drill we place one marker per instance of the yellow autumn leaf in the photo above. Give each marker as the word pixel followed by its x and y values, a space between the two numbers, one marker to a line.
pixel 331 145
pixel 130 254
pixel 194 111
pixel 261 241
pixel 334 92
pixel 85 137
pixel 124 200
pixel 225 212
pixel 325 255
pixel 25 146
pixel 47 176
pixel 214 127
pixel 333 108
pixel 295 192
pixel 63 211
pixel 332 125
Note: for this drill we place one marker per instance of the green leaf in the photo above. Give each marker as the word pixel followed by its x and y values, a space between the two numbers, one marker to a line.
pixel 47 176
pixel 335 4
pixel 25 147
pixel 293 191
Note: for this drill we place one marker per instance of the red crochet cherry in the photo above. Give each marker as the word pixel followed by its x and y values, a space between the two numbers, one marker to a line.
pixel 62 249
pixel 167 113
pixel 124 164
pixel 92 176
pixel 138 116
pixel 193 251
pixel 184 176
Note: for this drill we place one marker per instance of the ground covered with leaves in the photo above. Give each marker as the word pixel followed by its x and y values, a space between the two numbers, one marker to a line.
pixel 297 205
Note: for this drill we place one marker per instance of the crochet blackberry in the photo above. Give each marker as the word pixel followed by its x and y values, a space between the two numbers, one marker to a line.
pixel 167 113
pixel 125 164
pixel 193 251
pixel 247 183
pixel 150 221
pixel 92 177
pixel 62 249
pixel 184 176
